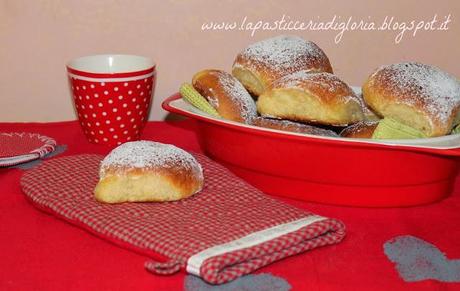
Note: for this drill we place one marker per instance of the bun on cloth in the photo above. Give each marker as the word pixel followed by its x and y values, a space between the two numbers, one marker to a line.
pixel 143 171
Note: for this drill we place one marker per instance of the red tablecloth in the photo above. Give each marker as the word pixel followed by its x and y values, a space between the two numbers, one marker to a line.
pixel 40 252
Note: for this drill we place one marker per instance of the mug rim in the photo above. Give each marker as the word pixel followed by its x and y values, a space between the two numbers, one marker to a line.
pixel 76 69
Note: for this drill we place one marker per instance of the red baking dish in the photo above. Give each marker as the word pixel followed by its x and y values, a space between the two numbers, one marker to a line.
pixel 354 172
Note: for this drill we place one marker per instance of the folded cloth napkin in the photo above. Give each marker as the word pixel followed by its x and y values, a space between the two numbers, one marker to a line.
pixel 20 147
pixel 221 233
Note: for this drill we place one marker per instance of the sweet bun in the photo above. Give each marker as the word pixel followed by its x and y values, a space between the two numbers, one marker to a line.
pixel 362 129
pixel 226 94
pixel 417 95
pixel 286 125
pixel 148 171
pixel 266 61
pixel 369 115
pixel 311 97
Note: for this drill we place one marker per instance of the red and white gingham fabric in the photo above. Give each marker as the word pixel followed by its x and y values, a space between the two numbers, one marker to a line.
pixel 173 234
pixel 17 148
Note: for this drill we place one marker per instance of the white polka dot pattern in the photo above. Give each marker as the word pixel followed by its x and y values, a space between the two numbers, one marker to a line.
pixel 225 210
pixel 108 104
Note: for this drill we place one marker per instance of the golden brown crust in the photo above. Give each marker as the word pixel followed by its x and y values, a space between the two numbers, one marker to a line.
pixel 363 129
pixel 286 125
pixel 162 184
pixel 311 97
pixel 415 94
pixel 266 61
pixel 226 94
pixel 142 171
pixel 328 87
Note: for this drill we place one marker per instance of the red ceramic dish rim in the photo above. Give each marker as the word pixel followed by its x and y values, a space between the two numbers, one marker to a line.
pixel 301 137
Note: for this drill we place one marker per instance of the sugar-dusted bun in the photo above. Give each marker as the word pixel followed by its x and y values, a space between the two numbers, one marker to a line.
pixel 226 94
pixel 362 129
pixel 268 60
pixel 311 97
pixel 417 95
pixel 286 125
pixel 144 171
pixel 369 115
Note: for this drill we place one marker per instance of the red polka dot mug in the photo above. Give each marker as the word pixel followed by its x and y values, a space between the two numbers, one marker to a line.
pixel 112 95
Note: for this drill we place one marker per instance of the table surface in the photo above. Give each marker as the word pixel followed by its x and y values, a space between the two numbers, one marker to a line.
pixel 41 252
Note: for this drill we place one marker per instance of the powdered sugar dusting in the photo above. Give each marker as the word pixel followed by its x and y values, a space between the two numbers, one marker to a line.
pixel 286 52
pixel 327 81
pixel 147 155
pixel 239 96
pixel 436 91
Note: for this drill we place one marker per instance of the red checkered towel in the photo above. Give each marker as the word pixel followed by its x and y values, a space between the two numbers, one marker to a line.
pixel 225 231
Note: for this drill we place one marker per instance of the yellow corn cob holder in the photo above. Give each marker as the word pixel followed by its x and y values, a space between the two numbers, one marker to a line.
pixel 196 99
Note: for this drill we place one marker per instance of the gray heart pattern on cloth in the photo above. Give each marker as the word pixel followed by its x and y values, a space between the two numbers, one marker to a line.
pixel 418 260
pixel 265 282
